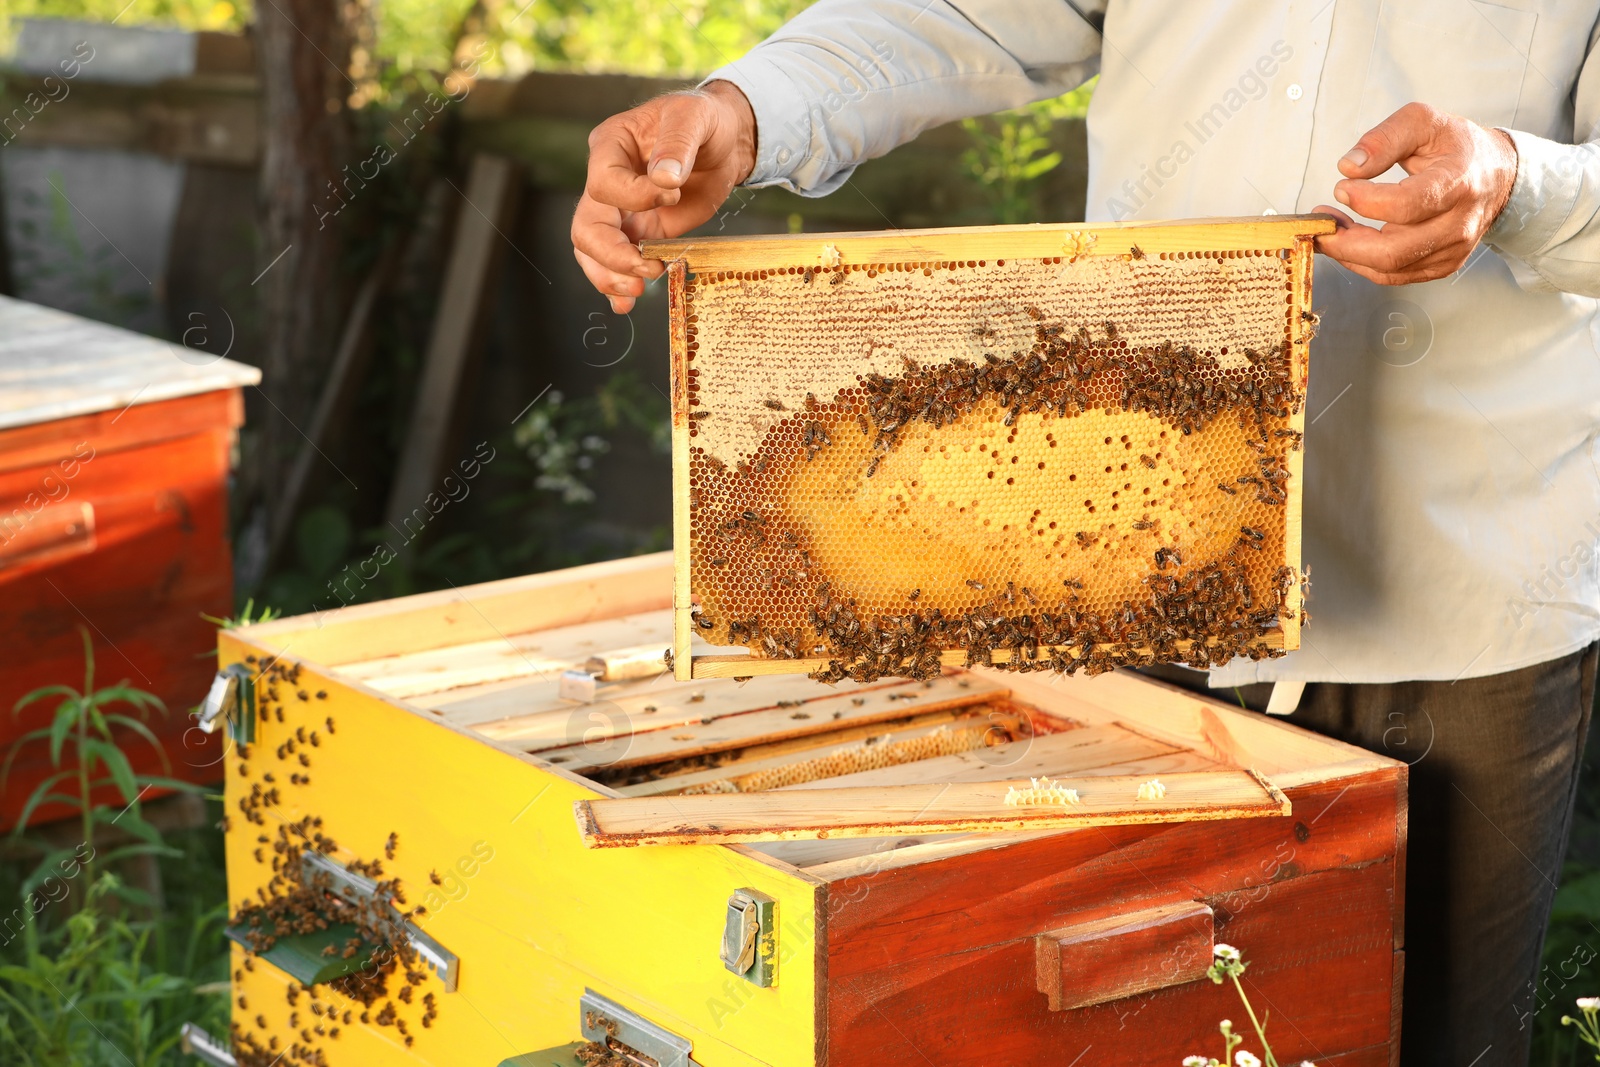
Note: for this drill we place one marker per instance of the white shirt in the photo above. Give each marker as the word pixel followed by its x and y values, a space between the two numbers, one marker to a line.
pixel 1452 482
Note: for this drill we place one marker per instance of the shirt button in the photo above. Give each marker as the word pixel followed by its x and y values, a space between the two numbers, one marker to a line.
pixel 1294 92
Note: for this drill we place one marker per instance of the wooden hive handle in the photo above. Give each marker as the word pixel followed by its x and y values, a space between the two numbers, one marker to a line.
pixel 1125 955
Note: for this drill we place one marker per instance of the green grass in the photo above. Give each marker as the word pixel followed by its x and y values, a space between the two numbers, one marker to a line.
pixel 92 980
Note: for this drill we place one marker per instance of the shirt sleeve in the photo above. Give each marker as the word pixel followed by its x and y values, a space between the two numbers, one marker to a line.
pixel 848 80
pixel 1549 230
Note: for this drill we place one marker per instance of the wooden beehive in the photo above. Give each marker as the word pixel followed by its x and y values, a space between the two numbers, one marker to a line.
pixel 1042 447
pixel 114 458
pixel 437 719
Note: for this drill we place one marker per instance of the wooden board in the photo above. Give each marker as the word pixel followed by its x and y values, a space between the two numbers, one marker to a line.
pixel 949 808
pixel 504 709
pixel 746 729
pixel 837 857
pixel 475 252
pixel 451 617
pixel 988 242
pixel 539 654
pixel 1054 755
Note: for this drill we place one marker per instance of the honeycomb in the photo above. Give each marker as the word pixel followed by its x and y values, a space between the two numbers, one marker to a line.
pixel 869 755
pixel 1078 463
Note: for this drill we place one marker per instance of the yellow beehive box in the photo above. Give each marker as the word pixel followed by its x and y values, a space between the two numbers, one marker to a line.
pixel 423 751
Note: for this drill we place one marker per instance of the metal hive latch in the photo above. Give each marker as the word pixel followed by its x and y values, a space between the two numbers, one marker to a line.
pixel 359 890
pixel 750 937
pixel 205 1048
pixel 231 698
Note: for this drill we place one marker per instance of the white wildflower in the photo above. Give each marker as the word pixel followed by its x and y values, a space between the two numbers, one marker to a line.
pixel 1226 953
pixel 1152 790
pixel 1589 1003
pixel 1246 1059
pixel 1196 1061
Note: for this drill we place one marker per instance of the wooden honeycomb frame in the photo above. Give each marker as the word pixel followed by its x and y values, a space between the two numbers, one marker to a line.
pixel 780 345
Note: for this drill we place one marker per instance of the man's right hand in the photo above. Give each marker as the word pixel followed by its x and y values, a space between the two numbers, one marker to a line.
pixel 659 170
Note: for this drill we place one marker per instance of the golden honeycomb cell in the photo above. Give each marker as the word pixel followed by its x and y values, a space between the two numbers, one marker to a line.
pixel 1042 461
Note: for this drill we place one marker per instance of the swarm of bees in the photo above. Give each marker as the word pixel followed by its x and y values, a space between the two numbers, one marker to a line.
pixel 1203 618
pixel 1176 384
pixel 288 905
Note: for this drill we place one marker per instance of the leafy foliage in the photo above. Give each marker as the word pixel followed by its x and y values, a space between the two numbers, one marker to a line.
pixel 1013 150
pixel 564 437
pixel 100 990
pixel 84 720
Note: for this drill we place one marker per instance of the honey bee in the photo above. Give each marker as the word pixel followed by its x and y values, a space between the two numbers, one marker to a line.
pixel 1144 524
pixel 775 405
pixel 837 279
pixel 1226 488
pixel 1136 252
pixel 914 594
pixel 1072 583
pixel 1085 539
pixel 872 467
pixel 718 561
pixel 1147 461
pixel 806 278
pixel 975 584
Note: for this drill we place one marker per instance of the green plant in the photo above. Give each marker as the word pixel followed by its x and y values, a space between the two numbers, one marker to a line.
pixel 1012 151
pixel 82 719
pixel 564 437
pixel 100 989
pixel 1587 1024
pixel 1227 964
pixel 248 616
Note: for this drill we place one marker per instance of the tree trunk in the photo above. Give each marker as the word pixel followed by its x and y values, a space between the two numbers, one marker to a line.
pixel 305 53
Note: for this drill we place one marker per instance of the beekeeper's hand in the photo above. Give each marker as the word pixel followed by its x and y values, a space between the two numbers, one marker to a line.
pixel 658 170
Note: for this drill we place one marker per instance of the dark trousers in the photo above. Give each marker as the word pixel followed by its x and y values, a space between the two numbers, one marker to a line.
pixel 1494 775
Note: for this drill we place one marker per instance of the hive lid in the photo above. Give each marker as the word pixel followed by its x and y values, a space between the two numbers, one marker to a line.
pixel 54 365
pixel 1039 446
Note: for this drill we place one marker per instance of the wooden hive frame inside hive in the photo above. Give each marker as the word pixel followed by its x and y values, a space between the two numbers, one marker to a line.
pixel 781 346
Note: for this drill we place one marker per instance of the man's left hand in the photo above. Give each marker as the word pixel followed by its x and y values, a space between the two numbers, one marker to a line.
pixel 1459 177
